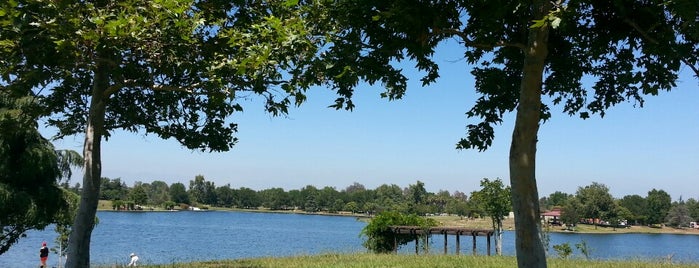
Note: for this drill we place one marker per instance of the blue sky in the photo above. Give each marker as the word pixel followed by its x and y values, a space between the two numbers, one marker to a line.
pixel 631 150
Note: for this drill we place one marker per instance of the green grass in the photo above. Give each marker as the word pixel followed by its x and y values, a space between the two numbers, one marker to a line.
pixel 365 260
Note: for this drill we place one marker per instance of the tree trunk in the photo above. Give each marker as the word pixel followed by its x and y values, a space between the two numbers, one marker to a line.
pixel 525 197
pixel 79 241
pixel 498 238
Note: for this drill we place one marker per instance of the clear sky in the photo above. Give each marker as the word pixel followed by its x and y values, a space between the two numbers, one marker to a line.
pixel 631 150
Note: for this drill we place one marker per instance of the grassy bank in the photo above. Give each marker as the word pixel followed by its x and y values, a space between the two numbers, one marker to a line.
pixel 410 261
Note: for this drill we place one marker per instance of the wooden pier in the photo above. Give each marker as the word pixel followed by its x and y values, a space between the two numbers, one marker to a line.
pixel 457 231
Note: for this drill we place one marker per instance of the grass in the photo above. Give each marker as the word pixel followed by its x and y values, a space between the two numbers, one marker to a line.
pixel 366 260
pixel 104 205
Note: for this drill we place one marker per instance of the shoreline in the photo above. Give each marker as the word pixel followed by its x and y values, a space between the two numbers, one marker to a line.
pixel 452 221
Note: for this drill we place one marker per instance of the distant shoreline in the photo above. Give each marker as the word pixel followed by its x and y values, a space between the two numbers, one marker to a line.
pixel 454 221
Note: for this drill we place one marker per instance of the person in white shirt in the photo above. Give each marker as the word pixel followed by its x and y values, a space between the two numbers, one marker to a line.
pixel 134 259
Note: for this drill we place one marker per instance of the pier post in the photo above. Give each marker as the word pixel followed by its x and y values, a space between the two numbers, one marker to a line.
pixel 445 243
pixel 488 244
pixel 458 244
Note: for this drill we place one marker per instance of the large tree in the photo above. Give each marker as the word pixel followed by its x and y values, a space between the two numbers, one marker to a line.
pixel 658 204
pixel 523 51
pixel 636 205
pixel 596 202
pixel 171 68
pixel 178 193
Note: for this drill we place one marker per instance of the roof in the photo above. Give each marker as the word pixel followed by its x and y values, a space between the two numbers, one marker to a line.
pixel 552 213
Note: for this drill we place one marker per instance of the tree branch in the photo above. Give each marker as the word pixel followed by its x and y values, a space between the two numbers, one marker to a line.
pixel 646 36
pixel 471 43
pixel 117 86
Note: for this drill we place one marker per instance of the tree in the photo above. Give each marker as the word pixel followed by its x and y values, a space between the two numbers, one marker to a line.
pixel 622 213
pixel 440 200
pixel 522 51
pixel 29 172
pixel 658 204
pixel 557 199
pixel 693 207
pixel 571 212
pixel 389 196
pixel 496 201
pixel 416 196
pixel 351 206
pixel 178 193
pixel 636 205
pixel 199 190
pixel 274 198
pixel 596 202
pixel 158 193
pixel 326 197
pixel 357 193
pixel 64 222
pixel 225 196
pixel 113 189
pixel 247 198
pixel 138 194
pixel 678 216
pixel 170 68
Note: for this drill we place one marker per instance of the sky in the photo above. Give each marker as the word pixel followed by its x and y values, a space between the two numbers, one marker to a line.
pixel 631 150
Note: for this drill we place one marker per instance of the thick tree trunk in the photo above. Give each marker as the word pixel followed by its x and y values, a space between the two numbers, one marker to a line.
pixel 79 241
pixel 525 197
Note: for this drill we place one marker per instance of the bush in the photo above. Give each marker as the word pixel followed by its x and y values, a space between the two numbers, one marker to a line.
pixel 380 238
pixel 168 205
pixel 564 250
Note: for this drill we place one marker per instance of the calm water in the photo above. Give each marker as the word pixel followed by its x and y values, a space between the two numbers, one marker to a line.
pixel 166 237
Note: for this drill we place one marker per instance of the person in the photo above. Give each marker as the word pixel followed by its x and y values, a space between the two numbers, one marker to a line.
pixel 43 254
pixel 134 259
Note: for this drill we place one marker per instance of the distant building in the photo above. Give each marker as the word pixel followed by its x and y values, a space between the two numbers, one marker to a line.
pixel 552 217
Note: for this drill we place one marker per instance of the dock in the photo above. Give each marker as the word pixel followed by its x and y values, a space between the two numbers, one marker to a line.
pixel 417 231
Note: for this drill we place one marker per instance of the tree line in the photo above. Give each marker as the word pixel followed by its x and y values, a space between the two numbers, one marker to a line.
pixel 355 198
pixel 595 205
pixel 592 203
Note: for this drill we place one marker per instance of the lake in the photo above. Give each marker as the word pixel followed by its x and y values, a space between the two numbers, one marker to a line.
pixel 167 237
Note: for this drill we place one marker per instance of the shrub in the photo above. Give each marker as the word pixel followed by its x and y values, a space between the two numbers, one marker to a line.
pixel 380 238
pixel 564 250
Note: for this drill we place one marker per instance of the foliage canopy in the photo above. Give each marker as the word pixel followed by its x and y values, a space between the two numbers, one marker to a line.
pixel 29 194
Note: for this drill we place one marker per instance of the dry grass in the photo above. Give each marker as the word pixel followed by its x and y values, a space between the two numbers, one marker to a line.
pixel 104 205
pixel 509 224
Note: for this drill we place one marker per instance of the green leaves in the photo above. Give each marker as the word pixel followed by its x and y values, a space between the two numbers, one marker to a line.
pixel 29 194
pixel 552 19
pixel 380 238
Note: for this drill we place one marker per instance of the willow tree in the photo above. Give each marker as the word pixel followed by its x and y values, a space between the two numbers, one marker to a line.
pixel 520 53
pixel 173 68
